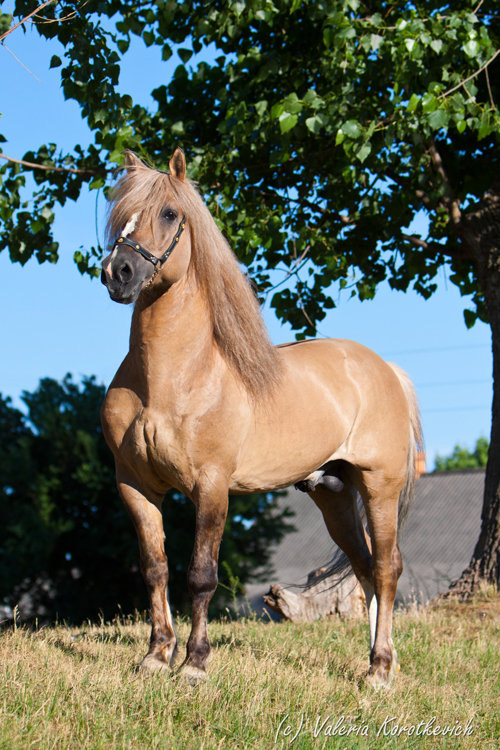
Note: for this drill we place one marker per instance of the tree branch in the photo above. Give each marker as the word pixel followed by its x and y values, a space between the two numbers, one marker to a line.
pixel 492 101
pixel 452 204
pixel 434 248
pixel 49 167
pixel 428 246
pixel 313 206
pixel 421 194
pixel 21 63
pixel 472 75
pixel 26 18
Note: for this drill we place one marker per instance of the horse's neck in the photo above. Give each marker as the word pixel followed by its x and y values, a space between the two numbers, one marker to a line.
pixel 171 338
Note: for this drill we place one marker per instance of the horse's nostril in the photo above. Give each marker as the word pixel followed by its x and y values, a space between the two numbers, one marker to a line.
pixel 124 274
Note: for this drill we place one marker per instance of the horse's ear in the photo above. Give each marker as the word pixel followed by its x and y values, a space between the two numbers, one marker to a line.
pixel 177 164
pixel 131 160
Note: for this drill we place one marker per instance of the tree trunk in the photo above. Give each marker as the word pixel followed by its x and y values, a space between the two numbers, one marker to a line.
pixel 326 597
pixel 481 234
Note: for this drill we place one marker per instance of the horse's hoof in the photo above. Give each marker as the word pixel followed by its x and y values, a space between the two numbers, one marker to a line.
pixel 381 679
pixel 193 675
pixel 151 664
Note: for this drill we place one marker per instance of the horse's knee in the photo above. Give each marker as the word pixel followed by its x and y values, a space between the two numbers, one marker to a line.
pixel 202 579
pixel 154 573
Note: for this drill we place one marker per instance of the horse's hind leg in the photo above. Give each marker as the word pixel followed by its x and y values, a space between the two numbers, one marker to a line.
pixel 343 521
pixel 148 523
pixel 382 516
pixel 378 571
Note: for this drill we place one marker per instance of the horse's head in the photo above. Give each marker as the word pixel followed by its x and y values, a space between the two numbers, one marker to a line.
pixel 150 247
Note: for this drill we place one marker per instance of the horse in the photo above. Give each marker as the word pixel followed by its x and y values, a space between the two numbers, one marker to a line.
pixel 204 403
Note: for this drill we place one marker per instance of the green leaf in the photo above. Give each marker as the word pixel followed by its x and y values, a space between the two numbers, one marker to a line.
pixel 184 54
pixel 312 99
pixel 351 129
pixel 287 122
pixel 484 126
pixel 314 124
pixel 277 110
pixel 439 119
pixel 55 61
pixel 97 182
pixel 123 45
pixel 177 128
pixel 470 317
pixel 292 104
pixel 413 103
pixel 471 48
pixel 261 107
pixel 429 103
pixel 437 45
pixel 363 152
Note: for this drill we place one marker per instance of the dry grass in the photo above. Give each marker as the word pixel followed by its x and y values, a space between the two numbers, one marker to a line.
pixel 77 688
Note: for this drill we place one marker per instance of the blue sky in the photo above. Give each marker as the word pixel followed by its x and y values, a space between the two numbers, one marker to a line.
pixel 55 321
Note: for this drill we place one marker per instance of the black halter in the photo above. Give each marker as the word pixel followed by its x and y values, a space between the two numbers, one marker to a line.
pixel 157 262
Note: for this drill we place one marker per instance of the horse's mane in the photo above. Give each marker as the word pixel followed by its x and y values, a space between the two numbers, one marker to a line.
pixel 238 328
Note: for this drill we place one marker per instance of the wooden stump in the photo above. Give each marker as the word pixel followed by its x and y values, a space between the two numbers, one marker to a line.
pixel 327 597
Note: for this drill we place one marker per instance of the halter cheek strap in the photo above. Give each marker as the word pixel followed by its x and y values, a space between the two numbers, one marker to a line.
pixel 157 262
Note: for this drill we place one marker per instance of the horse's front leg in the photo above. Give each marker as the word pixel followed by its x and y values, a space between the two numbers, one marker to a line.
pixel 148 522
pixel 211 510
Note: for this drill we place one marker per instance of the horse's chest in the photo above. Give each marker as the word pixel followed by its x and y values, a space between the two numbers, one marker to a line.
pixel 151 444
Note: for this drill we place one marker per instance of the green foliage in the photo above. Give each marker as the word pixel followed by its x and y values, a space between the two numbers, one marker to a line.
pixel 327 127
pixel 462 458
pixel 66 538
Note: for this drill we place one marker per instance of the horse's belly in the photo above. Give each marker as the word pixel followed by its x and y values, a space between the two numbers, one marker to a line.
pixel 283 457
pixel 292 440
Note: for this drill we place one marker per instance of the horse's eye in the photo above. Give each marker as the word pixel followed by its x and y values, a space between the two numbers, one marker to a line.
pixel 169 214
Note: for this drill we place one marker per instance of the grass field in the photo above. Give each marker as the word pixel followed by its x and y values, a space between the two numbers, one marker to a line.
pixel 270 685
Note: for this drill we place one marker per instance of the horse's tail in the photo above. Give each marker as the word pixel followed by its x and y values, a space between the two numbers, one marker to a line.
pixel 415 445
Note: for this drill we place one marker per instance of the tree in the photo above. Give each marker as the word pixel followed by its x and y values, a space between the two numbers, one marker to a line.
pixel 66 540
pixel 461 458
pixel 318 131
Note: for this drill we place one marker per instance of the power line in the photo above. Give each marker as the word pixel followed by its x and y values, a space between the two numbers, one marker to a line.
pixel 454 408
pixel 434 349
pixel 452 382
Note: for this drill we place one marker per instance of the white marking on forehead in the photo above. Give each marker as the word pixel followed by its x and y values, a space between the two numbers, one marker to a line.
pixel 130 225
pixel 128 229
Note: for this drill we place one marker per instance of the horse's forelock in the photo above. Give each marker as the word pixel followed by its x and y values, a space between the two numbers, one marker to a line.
pixel 141 191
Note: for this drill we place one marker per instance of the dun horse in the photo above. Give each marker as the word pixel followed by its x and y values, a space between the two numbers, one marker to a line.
pixel 205 404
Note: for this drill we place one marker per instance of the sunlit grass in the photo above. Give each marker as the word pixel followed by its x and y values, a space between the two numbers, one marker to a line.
pixel 77 687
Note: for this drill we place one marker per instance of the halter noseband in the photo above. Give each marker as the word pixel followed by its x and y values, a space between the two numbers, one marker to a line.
pixel 157 262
